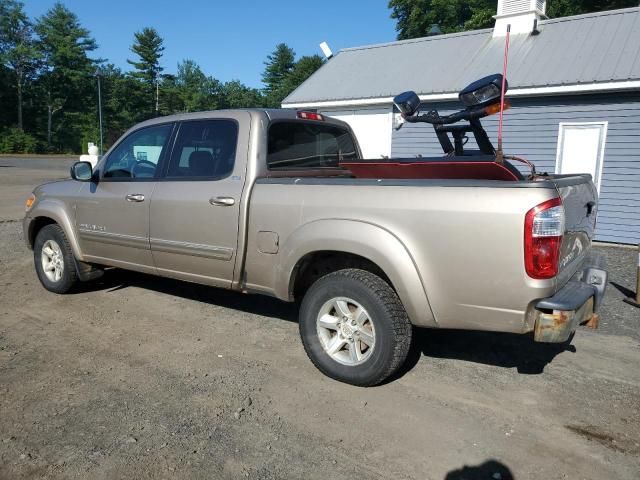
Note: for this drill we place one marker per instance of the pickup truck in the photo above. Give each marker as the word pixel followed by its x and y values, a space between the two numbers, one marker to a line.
pixel 257 201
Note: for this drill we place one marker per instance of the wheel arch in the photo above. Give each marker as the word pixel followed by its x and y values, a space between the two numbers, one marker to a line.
pixel 50 212
pixel 335 244
pixel 37 224
pixel 317 264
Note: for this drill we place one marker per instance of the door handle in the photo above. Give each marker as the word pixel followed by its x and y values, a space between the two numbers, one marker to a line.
pixel 222 201
pixel 135 197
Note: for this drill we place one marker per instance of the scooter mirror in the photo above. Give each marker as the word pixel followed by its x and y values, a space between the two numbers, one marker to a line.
pixel 408 103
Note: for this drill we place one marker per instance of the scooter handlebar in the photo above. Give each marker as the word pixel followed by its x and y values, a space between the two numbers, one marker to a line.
pixel 434 118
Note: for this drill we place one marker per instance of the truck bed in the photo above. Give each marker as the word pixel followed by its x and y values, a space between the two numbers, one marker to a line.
pixel 465 236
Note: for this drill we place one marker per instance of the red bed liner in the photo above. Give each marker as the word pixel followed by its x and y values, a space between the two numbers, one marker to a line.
pixel 459 170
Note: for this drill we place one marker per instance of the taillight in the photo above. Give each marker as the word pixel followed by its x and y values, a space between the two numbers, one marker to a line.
pixel 543 230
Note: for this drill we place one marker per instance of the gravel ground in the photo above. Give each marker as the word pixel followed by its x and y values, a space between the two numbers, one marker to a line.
pixel 141 377
pixel 620 318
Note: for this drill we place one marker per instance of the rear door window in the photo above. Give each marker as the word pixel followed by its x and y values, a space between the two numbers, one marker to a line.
pixel 204 149
pixel 294 145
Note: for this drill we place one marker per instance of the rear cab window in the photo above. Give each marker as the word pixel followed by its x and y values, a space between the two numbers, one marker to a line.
pixel 294 145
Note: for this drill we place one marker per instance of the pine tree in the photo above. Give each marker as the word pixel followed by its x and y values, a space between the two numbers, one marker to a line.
pixel 18 52
pixel 148 46
pixel 195 90
pixel 303 69
pixel 278 65
pixel 66 80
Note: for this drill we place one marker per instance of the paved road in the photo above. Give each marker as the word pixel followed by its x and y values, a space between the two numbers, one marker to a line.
pixel 139 377
pixel 18 176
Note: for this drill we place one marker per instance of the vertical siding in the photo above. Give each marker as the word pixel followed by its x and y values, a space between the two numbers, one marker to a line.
pixel 531 130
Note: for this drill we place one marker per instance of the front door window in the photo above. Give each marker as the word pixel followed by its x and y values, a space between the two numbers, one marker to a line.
pixel 138 155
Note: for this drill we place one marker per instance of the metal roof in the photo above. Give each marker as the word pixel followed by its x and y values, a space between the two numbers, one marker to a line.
pixel 584 49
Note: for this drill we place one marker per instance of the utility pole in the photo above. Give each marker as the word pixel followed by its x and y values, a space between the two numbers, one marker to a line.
pixel 98 74
pixel 157 97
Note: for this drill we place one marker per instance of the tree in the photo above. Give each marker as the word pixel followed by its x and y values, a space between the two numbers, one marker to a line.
pixel 415 18
pixel 67 76
pixel 18 52
pixel 120 105
pixel 278 65
pixel 48 85
pixel 303 69
pixel 148 46
pixel 282 74
pixel 6 96
pixel 235 94
pixel 195 90
pixel 564 8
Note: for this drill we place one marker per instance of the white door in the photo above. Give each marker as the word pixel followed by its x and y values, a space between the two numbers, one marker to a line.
pixel 371 126
pixel 581 149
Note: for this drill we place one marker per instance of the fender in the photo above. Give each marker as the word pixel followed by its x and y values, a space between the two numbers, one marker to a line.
pixel 373 242
pixel 58 212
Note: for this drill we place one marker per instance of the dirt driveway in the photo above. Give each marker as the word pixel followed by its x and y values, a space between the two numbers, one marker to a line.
pixel 139 377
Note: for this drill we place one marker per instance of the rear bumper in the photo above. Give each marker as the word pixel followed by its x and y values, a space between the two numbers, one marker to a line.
pixel 557 317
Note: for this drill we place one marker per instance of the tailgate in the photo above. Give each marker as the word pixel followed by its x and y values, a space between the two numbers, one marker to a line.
pixel 580 201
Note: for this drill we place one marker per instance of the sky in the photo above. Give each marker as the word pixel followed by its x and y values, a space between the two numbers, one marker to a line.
pixel 228 39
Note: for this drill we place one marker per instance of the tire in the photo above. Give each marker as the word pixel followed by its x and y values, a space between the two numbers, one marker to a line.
pixel 380 315
pixel 55 266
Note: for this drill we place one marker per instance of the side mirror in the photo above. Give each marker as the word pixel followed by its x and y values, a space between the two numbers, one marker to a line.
pixel 408 103
pixel 82 171
pixel 483 92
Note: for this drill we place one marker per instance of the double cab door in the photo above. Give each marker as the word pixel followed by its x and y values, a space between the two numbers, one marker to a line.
pixel 196 206
pixel 175 205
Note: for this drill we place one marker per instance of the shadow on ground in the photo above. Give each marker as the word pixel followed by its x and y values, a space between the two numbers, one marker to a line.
pixel 116 279
pixel 505 350
pixel 489 348
pixel 489 470
pixel 627 292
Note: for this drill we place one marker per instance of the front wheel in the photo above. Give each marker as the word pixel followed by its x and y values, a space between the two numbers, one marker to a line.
pixel 354 327
pixel 54 260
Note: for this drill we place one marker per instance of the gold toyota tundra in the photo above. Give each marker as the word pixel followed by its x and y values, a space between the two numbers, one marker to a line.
pixel 279 202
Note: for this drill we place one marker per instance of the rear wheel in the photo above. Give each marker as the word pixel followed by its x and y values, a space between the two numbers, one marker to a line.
pixel 54 260
pixel 354 327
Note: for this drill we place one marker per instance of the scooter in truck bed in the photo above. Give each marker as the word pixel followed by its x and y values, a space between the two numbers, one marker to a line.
pixel 481 98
